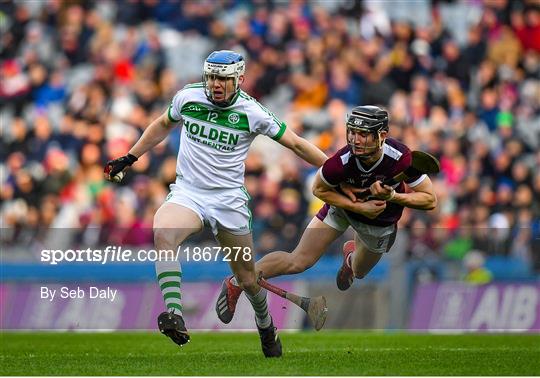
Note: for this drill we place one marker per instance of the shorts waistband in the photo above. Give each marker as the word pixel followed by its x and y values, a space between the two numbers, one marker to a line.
pixel 182 182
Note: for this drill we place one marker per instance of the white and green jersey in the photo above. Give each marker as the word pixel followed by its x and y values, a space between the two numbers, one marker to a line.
pixel 215 140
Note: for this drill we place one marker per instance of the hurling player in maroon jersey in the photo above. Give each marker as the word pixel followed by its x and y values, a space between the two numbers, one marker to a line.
pixel 368 158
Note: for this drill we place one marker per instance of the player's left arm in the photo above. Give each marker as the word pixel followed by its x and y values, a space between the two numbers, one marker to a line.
pixel 302 148
pixel 422 196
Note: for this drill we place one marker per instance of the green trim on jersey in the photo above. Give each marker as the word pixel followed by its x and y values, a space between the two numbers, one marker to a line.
pixel 187 86
pixel 194 85
pixel 170 116
pixel 281 131
pixel 221 117
pixel 281 124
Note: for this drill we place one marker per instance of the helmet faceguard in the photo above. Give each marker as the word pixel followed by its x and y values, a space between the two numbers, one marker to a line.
pixel 366 119
pixel 223 65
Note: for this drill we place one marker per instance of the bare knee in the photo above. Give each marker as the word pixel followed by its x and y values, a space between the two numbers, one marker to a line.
pixel 247 282
pixel 164 238
pixel 249 285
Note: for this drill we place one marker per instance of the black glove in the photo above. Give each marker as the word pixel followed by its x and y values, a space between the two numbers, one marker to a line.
pixel 114 167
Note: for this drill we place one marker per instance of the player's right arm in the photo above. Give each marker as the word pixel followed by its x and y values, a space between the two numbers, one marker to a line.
pixel 154 133
pixel 328 194
pixel 302 148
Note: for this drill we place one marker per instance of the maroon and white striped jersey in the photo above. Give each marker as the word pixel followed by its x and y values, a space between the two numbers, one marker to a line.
pixel 343 167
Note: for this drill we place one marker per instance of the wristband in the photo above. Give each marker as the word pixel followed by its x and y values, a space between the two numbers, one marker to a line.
pixel 131 158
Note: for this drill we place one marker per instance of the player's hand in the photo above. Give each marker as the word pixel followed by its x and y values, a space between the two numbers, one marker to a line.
pixel 370 209
pixel 350 191
pixel 383 192
pixel 115 169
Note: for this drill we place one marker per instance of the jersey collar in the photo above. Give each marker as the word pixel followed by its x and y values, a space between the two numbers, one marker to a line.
pixel 360 167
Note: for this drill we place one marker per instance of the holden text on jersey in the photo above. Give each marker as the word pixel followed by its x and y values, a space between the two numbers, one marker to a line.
pixel 216 138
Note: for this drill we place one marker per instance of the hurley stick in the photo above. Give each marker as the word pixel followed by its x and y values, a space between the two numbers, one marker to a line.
pixel 421 163
pixel 315 308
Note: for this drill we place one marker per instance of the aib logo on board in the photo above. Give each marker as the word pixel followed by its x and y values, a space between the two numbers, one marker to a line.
pixel 233 118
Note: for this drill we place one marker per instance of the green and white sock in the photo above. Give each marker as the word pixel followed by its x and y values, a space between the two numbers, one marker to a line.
pixel 258 301
pixel 169 276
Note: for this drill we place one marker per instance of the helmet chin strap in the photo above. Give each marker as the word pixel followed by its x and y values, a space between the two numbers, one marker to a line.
pixel 227 98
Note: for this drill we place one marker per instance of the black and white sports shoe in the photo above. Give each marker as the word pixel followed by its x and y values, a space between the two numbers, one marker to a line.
pixel 172 326
pixel 270 342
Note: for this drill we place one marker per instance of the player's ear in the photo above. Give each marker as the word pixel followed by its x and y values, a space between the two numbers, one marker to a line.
pixel 384 134
pixel 240 79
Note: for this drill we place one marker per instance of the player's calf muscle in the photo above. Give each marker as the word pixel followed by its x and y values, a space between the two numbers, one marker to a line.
pixel 364 261
pixel 300 263
pixel 280 263
pixel 273 264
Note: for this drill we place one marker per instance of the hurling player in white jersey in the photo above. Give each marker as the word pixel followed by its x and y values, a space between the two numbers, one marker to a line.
pixel 219 121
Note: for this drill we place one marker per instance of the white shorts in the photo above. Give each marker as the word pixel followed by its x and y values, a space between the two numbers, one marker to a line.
pixel 376 239
pixel 221 209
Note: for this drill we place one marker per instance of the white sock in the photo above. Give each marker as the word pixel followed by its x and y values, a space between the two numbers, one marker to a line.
pixel 258 301
pixel 169 276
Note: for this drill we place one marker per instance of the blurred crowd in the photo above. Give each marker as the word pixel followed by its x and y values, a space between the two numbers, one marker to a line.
pixel 80 80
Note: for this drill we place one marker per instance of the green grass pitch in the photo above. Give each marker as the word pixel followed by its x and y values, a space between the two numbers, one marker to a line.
pixel 304 353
